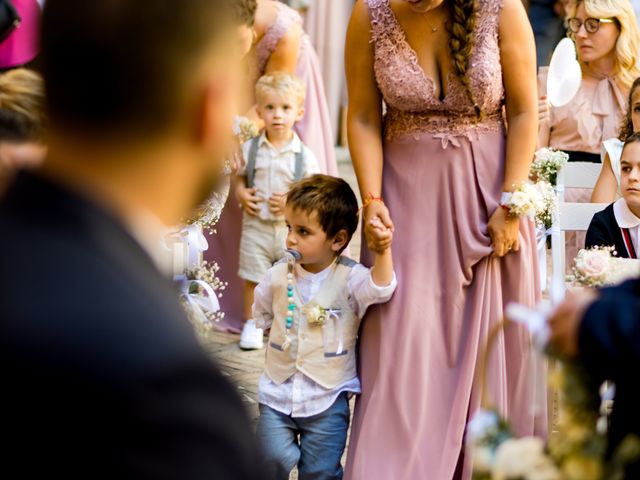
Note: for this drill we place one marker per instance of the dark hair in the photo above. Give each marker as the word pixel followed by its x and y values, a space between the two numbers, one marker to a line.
pixel 331 198
pixel 119 66
pixel 633 138
pixel 462 30
pixel 21 106
pixel 626 129
pixel 246 11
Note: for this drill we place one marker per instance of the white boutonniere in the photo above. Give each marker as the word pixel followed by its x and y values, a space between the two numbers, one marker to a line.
pixel 315 315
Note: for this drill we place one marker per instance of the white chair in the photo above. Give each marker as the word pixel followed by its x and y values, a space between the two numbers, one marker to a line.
pixel 571 217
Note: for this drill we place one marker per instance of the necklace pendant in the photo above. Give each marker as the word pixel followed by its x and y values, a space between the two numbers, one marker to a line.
pixel 434 29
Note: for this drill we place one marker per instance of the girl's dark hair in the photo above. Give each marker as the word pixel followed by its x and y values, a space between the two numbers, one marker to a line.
pixel 633 138
pixel 462 29
pixel 626 129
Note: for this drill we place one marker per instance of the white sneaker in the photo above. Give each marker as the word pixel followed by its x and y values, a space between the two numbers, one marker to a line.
pixel 252 336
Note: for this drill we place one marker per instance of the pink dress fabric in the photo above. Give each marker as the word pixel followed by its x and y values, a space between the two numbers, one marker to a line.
pixel 420 353
pixel 21 46
pixel 314 130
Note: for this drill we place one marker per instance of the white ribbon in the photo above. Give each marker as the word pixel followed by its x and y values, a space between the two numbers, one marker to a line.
pixel 200 303
pixel 197 243
pixel 335 314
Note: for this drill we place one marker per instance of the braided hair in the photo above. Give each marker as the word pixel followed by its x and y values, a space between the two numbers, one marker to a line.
pixel 463 23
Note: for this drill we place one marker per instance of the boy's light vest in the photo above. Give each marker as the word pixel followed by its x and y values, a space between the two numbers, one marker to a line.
pixel 325 354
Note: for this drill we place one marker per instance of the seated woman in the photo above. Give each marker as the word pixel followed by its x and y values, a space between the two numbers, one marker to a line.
pixel 606 189
pixel 618 225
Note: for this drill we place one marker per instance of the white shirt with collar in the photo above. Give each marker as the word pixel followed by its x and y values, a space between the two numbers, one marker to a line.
pixel 627 219
pixel 300 396
pixel 275 168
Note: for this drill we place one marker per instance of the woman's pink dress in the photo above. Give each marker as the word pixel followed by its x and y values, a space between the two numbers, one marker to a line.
pixel 21 46
pixel 419 354
pixel 315 131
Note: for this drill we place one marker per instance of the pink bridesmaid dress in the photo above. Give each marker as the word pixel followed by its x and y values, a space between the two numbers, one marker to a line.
pixel 21 46
pixel 315 131
pixel 419 354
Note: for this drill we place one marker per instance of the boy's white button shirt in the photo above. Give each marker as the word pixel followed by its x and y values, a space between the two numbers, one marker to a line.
pixel 627 219
pixel 275 169
pixel 300 396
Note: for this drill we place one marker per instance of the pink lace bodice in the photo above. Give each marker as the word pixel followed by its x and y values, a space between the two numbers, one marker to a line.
pixel 287 17
pixel 409 95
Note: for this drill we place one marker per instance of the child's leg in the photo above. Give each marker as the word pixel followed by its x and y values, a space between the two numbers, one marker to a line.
pixel 249 288
pixel 277 434
pixel 323 439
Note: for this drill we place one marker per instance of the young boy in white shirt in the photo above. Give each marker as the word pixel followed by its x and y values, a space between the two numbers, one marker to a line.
pixel 273 161
pixel 314 307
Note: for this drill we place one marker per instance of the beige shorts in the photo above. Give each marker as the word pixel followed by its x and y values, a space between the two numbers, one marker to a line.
pixel 262 243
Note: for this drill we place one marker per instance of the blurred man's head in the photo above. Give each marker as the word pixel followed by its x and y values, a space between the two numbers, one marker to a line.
pixel 143 72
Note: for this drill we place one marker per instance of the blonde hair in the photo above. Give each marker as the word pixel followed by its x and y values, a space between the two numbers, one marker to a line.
pixel 21 105
pixel 628 42
pixel 282 83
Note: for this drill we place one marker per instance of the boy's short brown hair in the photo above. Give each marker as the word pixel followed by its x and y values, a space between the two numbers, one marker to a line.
pixel 331 198
pixel 282 83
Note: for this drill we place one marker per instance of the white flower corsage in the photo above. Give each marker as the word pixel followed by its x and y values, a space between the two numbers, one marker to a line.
pixel 525 201
pixel 315 315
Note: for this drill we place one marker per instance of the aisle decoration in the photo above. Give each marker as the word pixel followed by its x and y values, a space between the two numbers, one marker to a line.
pixel 547 163
pixel 599 267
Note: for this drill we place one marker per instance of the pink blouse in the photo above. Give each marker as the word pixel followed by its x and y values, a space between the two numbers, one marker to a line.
pixel 594 115
pixel 22 45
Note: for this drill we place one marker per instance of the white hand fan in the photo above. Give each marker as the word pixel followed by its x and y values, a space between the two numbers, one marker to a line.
pixel 565 75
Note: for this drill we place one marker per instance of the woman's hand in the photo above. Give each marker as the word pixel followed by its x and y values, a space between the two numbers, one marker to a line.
pixel 543 109
pixel 504 230
pixel 376 221
pixel 249 200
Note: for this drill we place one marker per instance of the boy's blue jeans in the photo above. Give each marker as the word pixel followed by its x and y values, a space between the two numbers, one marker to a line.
pixel 315 444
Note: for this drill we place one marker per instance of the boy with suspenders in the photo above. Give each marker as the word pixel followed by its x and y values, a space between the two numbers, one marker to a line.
pixel 274 160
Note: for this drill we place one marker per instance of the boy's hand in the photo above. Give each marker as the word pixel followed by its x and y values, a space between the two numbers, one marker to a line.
pixel 249 200
pixel 377 214
pixel 277 203
pixel 380 236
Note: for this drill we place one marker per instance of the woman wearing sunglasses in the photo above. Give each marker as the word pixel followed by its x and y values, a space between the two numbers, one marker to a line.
pixel 607 41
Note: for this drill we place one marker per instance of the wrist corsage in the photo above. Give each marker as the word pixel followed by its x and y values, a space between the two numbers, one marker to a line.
pixel 244 129
pixel 524 201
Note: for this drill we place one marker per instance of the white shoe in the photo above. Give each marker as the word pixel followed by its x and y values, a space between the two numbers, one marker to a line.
pixel 252 336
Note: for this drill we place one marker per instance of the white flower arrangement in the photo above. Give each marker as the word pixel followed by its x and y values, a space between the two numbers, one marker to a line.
pixel 591 266
pixel 597 267
pixel 547 163
pixel 549 204
pixel 525 201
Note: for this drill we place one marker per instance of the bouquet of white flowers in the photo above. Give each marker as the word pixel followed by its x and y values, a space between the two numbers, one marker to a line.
pixel 547 163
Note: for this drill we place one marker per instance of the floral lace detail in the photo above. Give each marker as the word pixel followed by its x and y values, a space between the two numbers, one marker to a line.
pixel 444 127
pixel 287 17
pixel 409 95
